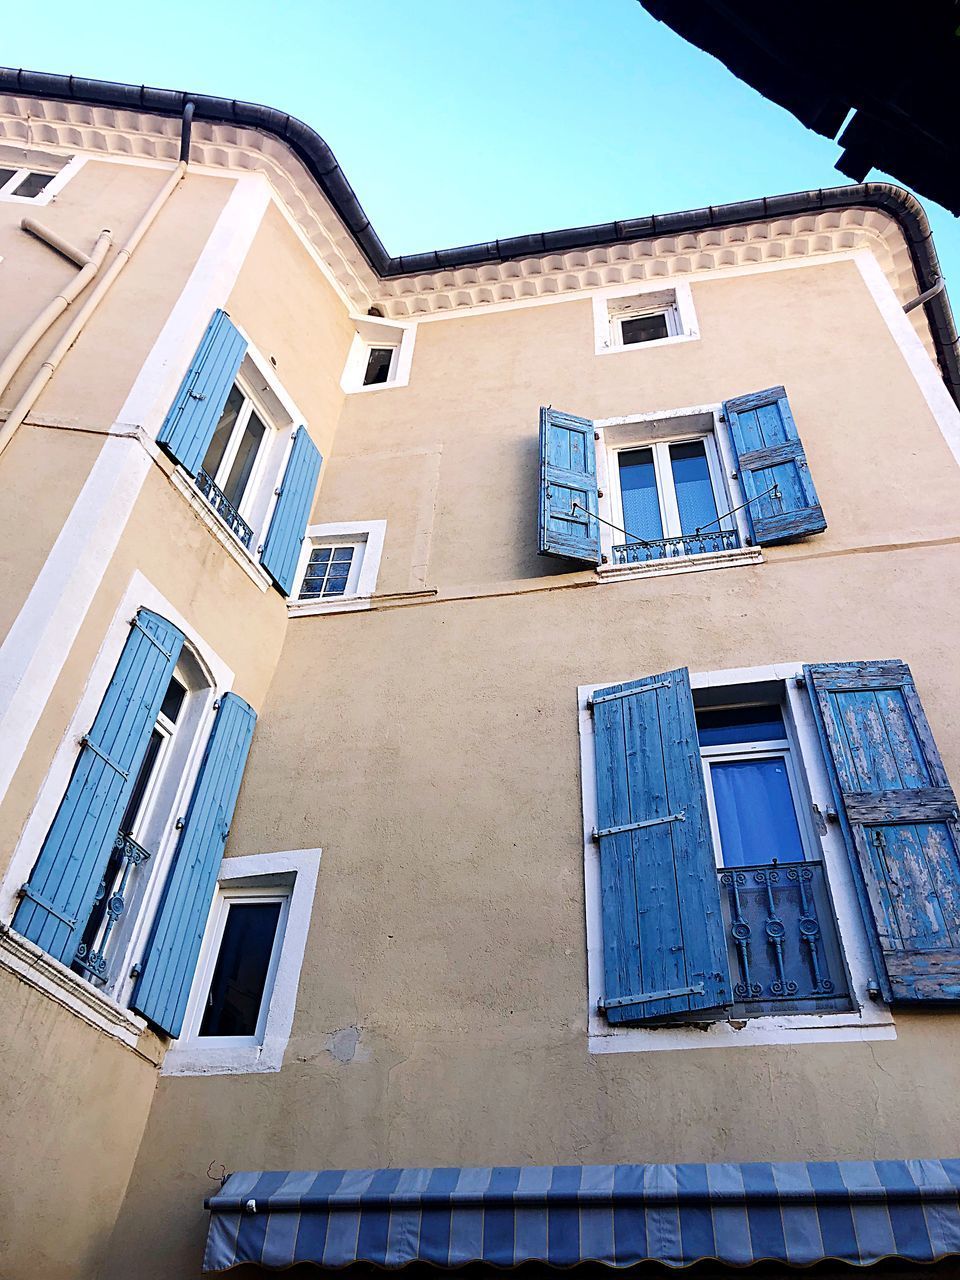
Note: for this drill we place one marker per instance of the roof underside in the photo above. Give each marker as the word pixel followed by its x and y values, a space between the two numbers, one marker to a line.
pixel 321 165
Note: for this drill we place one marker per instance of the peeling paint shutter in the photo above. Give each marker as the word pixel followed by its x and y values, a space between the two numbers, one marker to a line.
pixel 899 817
pixel 59 896
pixel 769 452
pixel 281 549
pixel 171 957
pixel 189 426
pixel 664 950
pixel 568 475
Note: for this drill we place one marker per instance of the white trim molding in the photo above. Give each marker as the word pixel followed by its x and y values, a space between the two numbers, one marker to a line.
pixel 367 538
pixel 372 331
pixel 295 873
pixel 27 962
pixel 612 305
pixel 869 1021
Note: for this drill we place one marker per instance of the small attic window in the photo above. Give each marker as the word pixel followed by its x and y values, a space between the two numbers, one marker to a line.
pixel 380 364
pixel 642 316
pixel 23 183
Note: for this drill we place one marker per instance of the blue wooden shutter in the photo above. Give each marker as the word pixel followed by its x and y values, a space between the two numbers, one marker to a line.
pixel 189 426
pixel 899 818
pixel 281 549
pixel 57 900
pixel 769 452
pixel 568 476
pixel 171 958
pixel 664 951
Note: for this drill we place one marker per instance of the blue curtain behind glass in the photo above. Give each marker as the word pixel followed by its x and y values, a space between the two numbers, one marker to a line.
pixel 755 812
pixel 691 476
pixel 638 489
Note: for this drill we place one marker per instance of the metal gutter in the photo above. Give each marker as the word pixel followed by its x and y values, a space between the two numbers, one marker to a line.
pixel 322 165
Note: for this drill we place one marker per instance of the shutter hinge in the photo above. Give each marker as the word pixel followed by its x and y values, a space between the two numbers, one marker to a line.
pixel 593 700
pixel 196 395
pixel 619 1001
pixel 178 825
pixel 26 892
pixel 136 971
pixel 639 826
pixel 596 435
pixel 277 492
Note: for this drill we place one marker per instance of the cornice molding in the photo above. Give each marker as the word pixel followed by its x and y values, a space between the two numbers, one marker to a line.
pixel 71 127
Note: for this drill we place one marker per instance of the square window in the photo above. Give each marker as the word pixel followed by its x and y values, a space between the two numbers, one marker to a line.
pixel 380 362
pixel 328 572
pixel 646 328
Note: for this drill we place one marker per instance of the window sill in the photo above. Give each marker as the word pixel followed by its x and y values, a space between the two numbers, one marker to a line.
pixel 66 988
pixel 873 1022
pixel 193 1058
pixel 616 349
pixel 307 608
pixel 681 564
pixel 182 481
pixel 389 385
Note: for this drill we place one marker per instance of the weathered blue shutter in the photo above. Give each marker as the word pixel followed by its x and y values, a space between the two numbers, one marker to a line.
pixel 189 426
pixel 57 900
pixel 664 951
pixel 899 818
pixel 568 488
pixel 769 452
pixel 281 549
pixel 171 958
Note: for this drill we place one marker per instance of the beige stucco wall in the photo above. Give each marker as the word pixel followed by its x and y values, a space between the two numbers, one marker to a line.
pixel 431 750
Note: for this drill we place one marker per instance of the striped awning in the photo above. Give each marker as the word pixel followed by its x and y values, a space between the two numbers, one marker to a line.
pixel 678 1214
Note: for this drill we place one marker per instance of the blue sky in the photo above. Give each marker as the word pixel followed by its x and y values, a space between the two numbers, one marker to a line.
pixel 458 121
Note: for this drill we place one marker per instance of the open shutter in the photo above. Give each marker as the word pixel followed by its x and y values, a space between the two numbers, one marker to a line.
pixel 664 951
pixel 171 958
pixel 899 817
pixel 769 452
pixel 568 476
pixel 58 898
pixel 281 549
pixel 189 426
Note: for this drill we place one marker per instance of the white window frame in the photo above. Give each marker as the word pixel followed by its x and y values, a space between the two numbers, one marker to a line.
pixel 106 1006
pixel 657 431
pixel 867 1021
pixel 62 169
pixel 367 539
pixel 613 305
pixel 291 875
pixel 370 332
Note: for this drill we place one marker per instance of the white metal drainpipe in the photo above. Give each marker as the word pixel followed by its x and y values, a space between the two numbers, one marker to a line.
pixel 49 366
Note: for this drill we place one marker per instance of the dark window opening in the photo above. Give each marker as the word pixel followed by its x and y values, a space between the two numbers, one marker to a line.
pixel 32 184
pixel 378 365
pixel 644 328
pixel 239 978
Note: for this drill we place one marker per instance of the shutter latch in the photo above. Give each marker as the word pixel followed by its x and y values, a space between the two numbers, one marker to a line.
pixel 196 395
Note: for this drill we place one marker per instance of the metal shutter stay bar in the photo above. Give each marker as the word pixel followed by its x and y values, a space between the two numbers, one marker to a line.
pixel 153 639
pixel 628 693
pixel 648 998
pixel 86 742
pixel 639 826
pixel 26 892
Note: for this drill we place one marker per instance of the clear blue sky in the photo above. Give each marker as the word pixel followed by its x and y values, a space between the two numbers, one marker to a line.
pixel 466 120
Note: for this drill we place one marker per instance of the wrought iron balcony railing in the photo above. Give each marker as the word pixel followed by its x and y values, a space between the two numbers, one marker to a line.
pixel 224 508
pixel 691 544
pixel 108 906
pixel 782 938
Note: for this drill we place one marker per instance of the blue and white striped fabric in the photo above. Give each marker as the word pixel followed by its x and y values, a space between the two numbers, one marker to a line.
pixel 678 1214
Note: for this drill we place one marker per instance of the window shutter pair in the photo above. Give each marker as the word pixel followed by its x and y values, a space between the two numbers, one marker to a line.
pixel 189 426
pixel 57 900
pixel 663 936
pixel 782 503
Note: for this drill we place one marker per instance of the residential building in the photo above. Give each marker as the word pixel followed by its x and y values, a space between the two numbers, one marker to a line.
pixel 485 719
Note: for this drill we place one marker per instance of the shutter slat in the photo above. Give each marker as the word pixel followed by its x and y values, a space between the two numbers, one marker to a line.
pixel 67 873
pixel 899 820
pixel 663 939
pixel 568 476
pixel 769 452
pixel 171 958
pixel 192 419
pixel 281 548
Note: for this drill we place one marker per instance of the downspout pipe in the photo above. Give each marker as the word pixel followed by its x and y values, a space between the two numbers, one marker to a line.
pixel 186 123
pixel 89 266
pixel 49 367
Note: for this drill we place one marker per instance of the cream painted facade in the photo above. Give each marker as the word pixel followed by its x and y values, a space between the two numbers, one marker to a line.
pixel 428 739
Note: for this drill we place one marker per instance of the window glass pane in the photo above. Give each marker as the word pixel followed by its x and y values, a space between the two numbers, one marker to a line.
pixel 236 992
pixel 32 184
pixel 147 765
pixel 236 481
pixel 173 700
pixel 644 328
pixel 638 489
pixel 6 175
pixel 755 812
pixel 221 436
pixel 728 725
pixel 378 365
pixel 691 478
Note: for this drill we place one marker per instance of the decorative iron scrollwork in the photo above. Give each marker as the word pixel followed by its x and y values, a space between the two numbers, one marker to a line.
pixel 690 544
pixel 125 856
pixel 224 507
